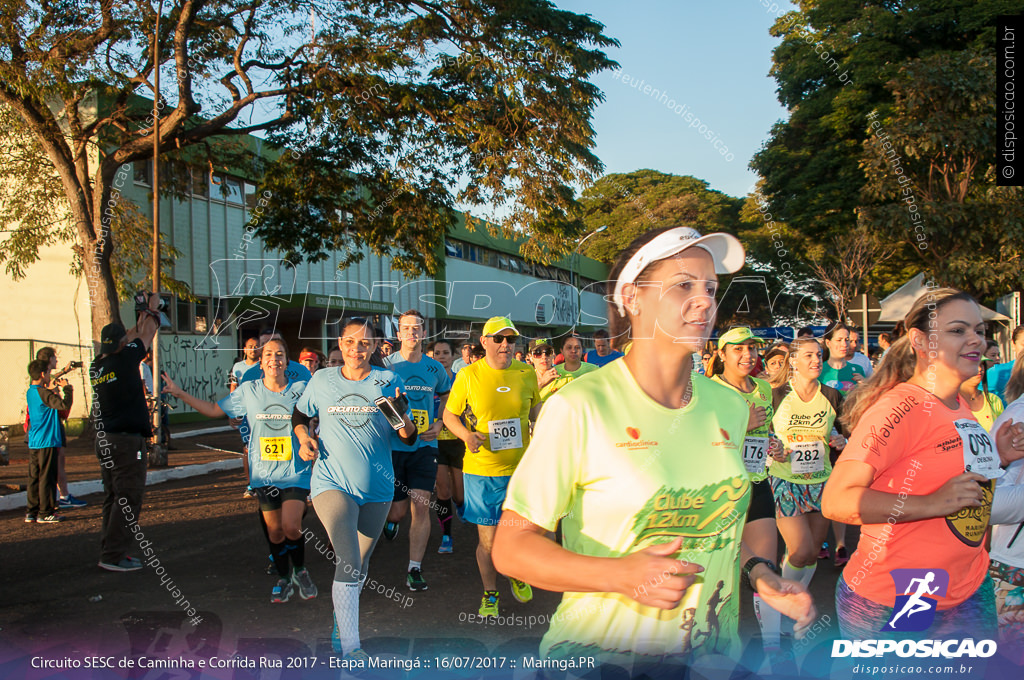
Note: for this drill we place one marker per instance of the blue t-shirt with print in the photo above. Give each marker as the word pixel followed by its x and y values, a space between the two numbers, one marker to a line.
pixel 274 449
pixel 423 379
pixel 355 438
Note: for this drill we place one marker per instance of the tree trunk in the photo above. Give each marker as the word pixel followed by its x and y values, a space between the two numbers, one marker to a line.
pixel 96 237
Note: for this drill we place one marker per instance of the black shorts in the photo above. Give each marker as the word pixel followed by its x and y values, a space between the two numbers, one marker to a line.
pixel 271 497
pixel 762 501
pixel 450 452
pixel 414 470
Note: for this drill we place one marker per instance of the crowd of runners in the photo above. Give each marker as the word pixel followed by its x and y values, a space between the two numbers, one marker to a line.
pixel 650 477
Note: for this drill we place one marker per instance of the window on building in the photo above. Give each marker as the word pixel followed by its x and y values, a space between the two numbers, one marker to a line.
pixel 234 190
pixel 453 249
pixel 203 315
pixel 200 182
pixel 249 195
pixel 227 189
pixel 142 171
pixel 183 320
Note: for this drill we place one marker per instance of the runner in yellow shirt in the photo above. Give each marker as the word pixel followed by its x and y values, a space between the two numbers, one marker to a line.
pixel 573 367
pixel 503 396
pixel 651 530
pixel 805 414
pixel 733 367
pixel 984 405
pixel 542 358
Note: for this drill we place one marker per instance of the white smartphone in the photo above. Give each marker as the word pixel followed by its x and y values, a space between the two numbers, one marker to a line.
pixel 390 412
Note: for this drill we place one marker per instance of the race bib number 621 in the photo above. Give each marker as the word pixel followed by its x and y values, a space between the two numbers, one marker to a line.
pixel 276 448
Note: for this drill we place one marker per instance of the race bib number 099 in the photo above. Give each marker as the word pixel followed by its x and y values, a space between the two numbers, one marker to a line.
pixel 505 434
pixel 980 453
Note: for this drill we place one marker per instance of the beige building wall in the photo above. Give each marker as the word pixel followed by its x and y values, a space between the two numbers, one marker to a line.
pixel 48 307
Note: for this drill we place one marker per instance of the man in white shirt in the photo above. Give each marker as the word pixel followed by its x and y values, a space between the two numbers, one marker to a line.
pixel 855 357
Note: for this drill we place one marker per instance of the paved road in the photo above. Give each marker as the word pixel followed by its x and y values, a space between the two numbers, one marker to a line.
pixel 58 604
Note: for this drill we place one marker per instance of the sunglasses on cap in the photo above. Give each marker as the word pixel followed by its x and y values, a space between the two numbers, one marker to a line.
pixel 499 339
pixel 541 352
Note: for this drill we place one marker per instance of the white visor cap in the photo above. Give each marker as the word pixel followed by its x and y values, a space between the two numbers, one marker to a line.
pixel 725 249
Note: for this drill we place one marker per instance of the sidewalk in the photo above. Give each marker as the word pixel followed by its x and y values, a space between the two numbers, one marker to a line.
pixel 218 451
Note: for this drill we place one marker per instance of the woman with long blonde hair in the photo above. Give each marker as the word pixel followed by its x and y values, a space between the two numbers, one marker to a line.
pixel 917 476
pixel 1015 385
pixel 805 414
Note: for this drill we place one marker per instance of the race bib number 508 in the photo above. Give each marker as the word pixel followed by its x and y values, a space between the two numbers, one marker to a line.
pixel 505 434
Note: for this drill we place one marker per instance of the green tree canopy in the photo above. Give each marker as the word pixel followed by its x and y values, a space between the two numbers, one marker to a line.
pixel 931 169
pixel 833 68
pixel 775 287
pixel 633 203
pixel 392 114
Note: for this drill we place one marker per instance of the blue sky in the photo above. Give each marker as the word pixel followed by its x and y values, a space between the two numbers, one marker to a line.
pixel 712 58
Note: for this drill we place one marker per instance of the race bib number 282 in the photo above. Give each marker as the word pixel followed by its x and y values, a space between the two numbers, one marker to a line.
pixel 808 457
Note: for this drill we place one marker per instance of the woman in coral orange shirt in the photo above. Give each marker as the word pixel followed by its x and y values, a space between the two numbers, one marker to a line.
pixel 918 475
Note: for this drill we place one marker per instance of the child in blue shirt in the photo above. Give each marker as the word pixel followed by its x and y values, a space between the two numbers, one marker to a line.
pixel 44 439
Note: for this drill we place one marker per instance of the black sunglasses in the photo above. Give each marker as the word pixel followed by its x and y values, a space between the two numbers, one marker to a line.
pixel 541 352
pixel 500 339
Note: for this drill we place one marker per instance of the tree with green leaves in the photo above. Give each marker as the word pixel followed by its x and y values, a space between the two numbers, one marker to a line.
pixel 633 203
pixel 811 165
pixel 931 167
pixel 775 288
pixel 385 116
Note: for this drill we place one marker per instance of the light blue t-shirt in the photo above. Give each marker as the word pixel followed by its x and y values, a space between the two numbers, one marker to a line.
pixel 997 377
pixel 239 369
pixel 45 430
pixel 274 449
pixel 293 371
pixel 423 380
pixel 355 437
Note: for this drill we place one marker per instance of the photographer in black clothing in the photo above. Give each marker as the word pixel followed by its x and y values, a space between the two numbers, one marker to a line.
pixel 121 419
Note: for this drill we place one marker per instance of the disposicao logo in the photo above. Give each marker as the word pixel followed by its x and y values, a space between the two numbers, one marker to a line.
pixel 915 608
pixel 917 593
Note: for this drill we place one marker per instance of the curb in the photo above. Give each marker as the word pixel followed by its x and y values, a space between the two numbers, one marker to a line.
pixel 19 500
pixel 209 430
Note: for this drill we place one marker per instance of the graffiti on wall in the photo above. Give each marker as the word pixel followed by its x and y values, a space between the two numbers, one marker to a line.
pixel 202 374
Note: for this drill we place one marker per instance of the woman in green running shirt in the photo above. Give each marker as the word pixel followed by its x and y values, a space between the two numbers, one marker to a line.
pixel 805 413
pixel 650 564
pixel 732 366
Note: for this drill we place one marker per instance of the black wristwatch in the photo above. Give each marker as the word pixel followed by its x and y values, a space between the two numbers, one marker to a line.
pixel 753 562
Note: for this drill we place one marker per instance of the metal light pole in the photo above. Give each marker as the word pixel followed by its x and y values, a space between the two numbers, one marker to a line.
pixel 158 451
pixel 575 274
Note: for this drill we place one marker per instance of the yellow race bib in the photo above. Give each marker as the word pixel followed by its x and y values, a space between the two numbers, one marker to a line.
pixel 276 448
pixel 422 420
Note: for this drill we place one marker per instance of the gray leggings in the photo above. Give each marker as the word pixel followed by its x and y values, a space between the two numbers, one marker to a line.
pixel 353 529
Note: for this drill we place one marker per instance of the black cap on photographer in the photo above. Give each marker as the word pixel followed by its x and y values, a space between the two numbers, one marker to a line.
pixel 110 338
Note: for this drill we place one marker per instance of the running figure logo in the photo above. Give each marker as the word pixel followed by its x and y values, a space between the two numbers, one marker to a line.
pixel 915 609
